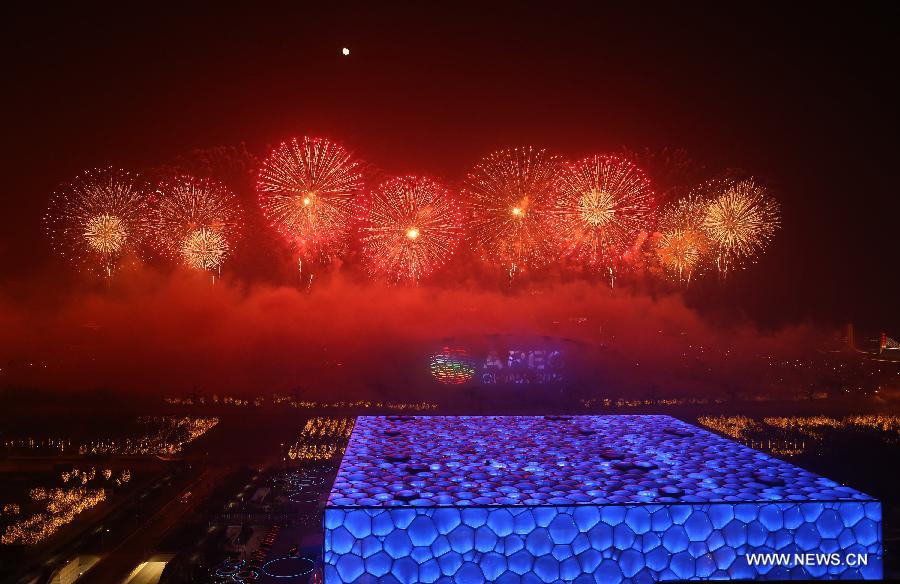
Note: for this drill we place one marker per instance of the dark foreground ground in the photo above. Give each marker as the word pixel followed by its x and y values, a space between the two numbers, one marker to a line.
pixel 186 515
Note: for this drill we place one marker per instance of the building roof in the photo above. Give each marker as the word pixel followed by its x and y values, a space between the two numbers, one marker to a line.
pixel 395 461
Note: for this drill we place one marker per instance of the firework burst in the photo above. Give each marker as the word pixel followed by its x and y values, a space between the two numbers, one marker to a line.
pixel 196 220
pixel 307 190
pixel 98 218
pixel 739 221
pixel 105 234
pixel 509 194
pixel 682 246
pixel 204 249
pixel 410 227
pixel 603 204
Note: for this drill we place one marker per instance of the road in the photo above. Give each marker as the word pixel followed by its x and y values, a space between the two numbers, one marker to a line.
pixel 220 451
pixel 70 541
pixel 120 561
pixel 149 572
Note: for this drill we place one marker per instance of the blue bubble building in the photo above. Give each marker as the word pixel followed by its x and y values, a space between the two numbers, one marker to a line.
pixel 631 498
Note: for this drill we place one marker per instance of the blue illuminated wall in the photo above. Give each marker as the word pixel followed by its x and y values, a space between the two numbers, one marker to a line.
pixel 661 500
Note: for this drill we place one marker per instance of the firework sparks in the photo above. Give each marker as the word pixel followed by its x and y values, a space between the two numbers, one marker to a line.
pixel 105 234
pixel 509 193
pixel 683 246
pixel 307 190
pixel 740 220
pixel 204 249
pixel 195 221
pixel 603 205
pixel 411 226
pixel 98 218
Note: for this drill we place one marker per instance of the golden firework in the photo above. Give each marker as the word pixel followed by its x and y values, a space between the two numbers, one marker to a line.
pixel 603 206
pixel 739 221
pixel 204 249
pixel 196 221
pixel 99 218
pixel 105 233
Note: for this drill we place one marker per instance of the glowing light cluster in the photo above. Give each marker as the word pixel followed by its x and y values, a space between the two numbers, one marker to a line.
pixel 313 452
pixel 99 218
pixel 602 206
pixel 307 189
pixel 410 227
pixel 634 403
pixel 509 194
pixel 738 427
pixel 452 366
pixel 61 508
pixel 290 401
pixel 78 475
pixel 364 405
pixel 740 220
pixel 164 435
pixel 157 435
pixel 790 435
pixel 815 426
pixel 328 427
pixel 321 439
pixel 196 220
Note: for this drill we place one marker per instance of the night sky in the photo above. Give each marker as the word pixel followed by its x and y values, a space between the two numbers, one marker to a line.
pixel 802 97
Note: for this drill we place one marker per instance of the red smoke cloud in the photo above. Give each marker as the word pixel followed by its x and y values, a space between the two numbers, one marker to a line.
pixel 169 333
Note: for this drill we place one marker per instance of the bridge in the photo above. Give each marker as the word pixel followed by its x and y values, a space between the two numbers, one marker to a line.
pixel 887 344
